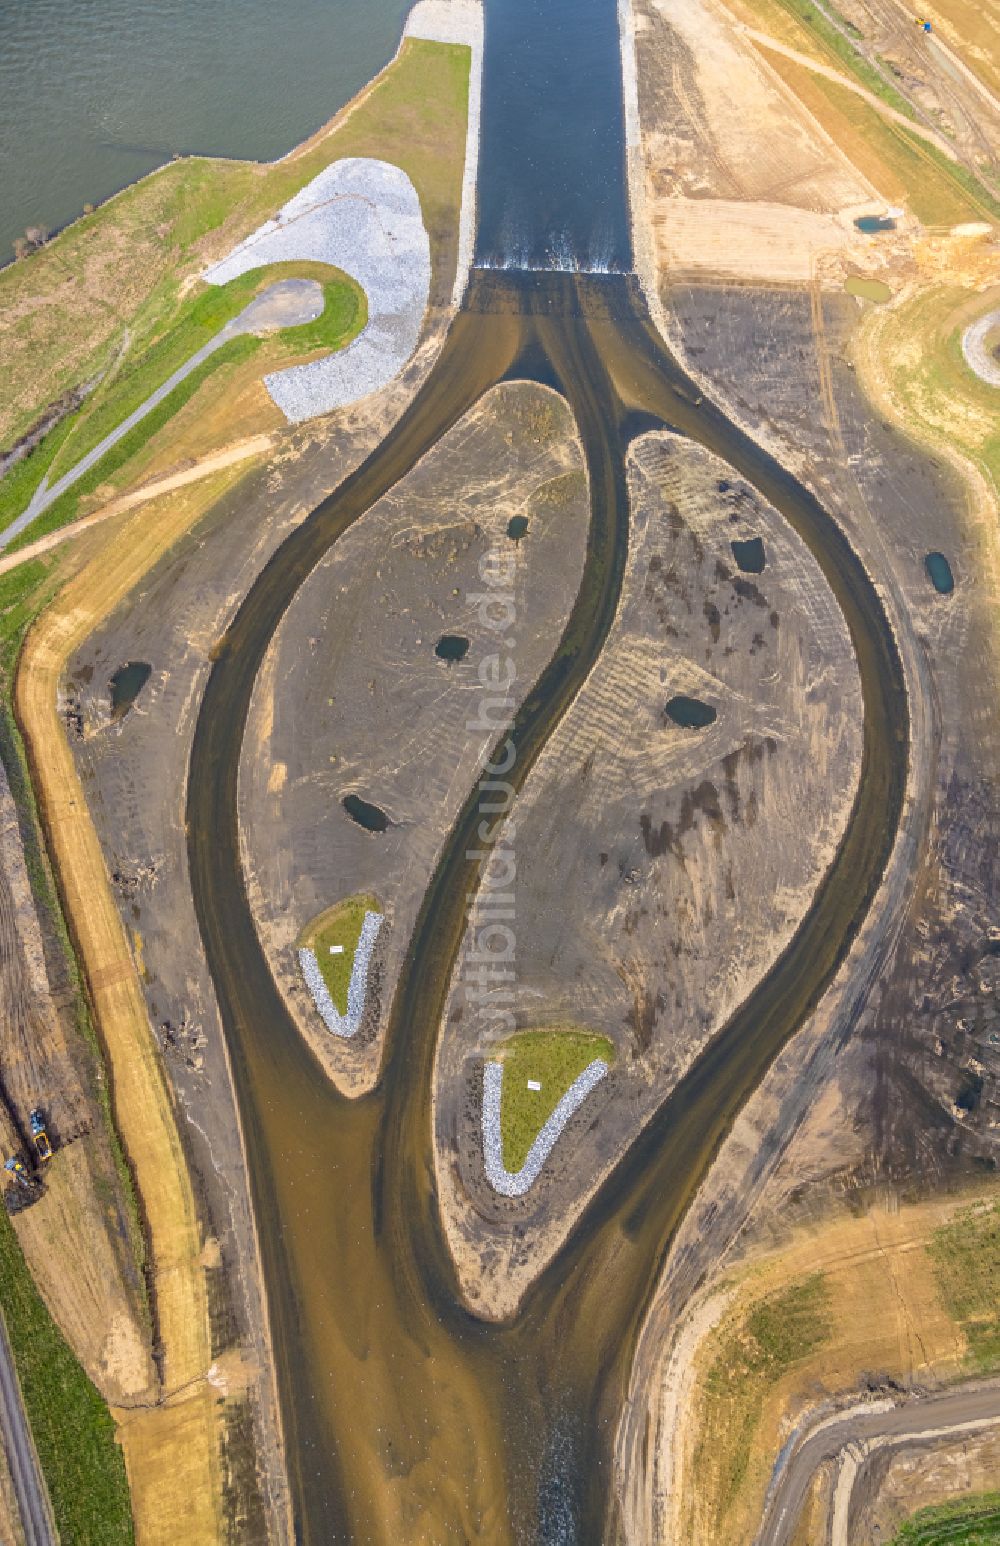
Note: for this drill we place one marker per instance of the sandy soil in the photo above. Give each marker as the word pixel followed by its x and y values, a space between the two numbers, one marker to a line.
pixel 143 1108
pixel 888 1323
pixel 376 713
pixel 744 181
pixel 664 892
pixel 243 450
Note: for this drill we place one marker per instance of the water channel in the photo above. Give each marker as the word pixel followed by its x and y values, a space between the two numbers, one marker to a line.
pixel 406 1417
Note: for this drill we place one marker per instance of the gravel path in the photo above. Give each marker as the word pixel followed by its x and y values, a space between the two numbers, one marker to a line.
pixel 362 216
pixel 515 1183
pixel 985 365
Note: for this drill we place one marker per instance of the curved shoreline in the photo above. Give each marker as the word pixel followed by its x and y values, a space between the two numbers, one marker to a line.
pixel 398 1248
pixel 974 349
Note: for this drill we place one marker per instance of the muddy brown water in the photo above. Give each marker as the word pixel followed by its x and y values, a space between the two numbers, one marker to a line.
pixel 406 1417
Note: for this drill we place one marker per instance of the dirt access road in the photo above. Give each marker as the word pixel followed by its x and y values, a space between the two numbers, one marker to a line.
pixel 915 1421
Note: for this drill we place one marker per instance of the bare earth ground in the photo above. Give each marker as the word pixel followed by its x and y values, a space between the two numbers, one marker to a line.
pixel 662 892
pixel 877 1085
pixel 352 698
pixel 134 776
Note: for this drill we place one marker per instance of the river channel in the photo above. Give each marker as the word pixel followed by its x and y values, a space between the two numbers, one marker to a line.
pixel 407 1419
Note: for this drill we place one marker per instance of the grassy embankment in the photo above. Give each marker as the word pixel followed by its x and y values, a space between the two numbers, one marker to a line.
pixel 552 1059
pixel 339 925
pixel 756 1349
pixel 344 315
pixel 967 1522
pixel 908 1293
pixel 129 274
pixel 73 1431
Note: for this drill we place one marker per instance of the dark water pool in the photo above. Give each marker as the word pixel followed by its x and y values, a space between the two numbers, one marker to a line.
pixel 939 570
pixel 690 713
pixel 451 646
pixel 517 527
pixel 126 685
pixel 369 816
pixel 750 555
pixel 869 224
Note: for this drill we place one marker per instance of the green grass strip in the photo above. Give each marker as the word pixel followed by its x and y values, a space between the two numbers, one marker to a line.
pixel 969 1521
pixel 73 1430
pixel 339 925
pixel 553 1059
pixel 819 23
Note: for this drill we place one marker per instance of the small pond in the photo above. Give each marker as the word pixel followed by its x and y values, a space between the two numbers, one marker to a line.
pixel 868 289
pixel 126 685
pixel 690 713
pixel 452 646
pixel 517 527
pixel 750 555
pixel 369 816
pixel 939 569
pixel 869 224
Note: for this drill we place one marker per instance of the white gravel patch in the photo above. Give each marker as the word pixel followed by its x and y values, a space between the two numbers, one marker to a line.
pixel 516 1183
pixel 986 367
pixel 343 1025
pixel 458 21
pixel 362 216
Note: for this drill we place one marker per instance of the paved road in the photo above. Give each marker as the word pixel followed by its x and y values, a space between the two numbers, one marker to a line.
pixel 288 303
pixel 912 1421
pixel 29 1487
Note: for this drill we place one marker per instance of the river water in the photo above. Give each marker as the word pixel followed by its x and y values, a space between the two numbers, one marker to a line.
pixel 93 93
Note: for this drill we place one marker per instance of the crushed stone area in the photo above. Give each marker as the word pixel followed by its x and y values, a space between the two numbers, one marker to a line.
pixel 343 1025
pixel 362 216
pixel 977 356
pixel 515 1183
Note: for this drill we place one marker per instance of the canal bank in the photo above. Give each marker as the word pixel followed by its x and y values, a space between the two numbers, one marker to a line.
pixel 482 1475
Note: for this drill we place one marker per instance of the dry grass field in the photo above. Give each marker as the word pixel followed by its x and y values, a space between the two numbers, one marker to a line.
pixel 859 1296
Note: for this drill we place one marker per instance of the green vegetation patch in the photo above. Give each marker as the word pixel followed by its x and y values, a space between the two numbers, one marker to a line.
pixel 777 1333
pixel 970 1521
pixel 338 926
pixel 73 1429
pixel 966 1257
pixel 129 262
pixel 344 314
pixel 552 1059
pixel 821 22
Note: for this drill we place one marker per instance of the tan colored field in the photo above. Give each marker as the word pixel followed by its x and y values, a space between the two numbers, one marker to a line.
pixel 857 1296
pixel 65 1227
pixel 183 1446
pixel 973 30
pixel 896 164
pixel 763 243
pixel 750 142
